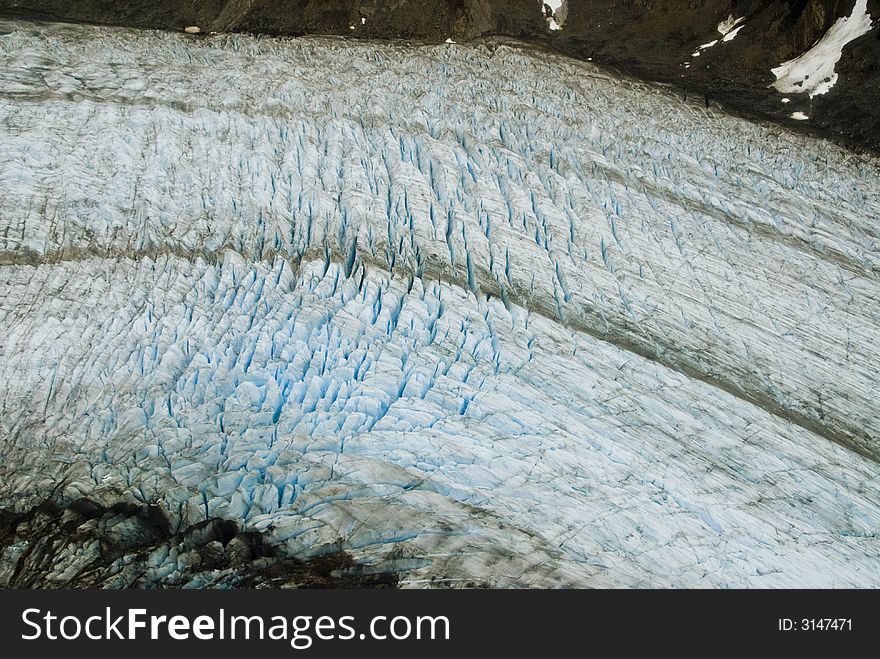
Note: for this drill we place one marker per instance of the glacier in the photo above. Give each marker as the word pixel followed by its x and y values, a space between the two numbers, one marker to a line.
pixel 471 314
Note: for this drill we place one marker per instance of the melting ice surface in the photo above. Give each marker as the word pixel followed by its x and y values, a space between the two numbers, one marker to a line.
pixel 472 313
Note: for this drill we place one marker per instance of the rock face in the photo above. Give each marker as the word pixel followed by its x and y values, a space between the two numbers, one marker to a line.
pixel 424 19
pixel 653 39
pixel 283 311
pixel 130 545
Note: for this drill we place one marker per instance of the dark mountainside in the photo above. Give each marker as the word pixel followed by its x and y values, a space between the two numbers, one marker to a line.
pixel 652 39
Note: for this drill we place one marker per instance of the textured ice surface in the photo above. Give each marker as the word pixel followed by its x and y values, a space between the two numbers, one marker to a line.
pixel 473 313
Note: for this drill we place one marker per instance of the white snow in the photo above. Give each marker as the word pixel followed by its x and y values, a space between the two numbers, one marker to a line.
pixel 560 11
pixel 726 26
pixel 192 29
pixel 800 116
pixel 732 34
pixel 813 71
pixel 439 309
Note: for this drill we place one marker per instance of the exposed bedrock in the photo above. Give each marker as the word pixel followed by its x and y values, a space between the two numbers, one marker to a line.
pixel 85 544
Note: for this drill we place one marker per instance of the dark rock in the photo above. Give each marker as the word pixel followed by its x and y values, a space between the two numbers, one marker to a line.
pixel 84 545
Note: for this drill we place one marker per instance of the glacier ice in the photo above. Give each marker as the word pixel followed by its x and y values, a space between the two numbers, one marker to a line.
pixel 478 314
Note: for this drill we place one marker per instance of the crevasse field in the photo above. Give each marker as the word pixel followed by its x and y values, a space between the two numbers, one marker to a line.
pixel 468 314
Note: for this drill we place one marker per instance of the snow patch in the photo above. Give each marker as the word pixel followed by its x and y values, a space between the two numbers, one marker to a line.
pixel 728 29
pixel 800 116
pixel 192 29
pixel 555 12
pixel 727 26
pixel 813 71
pixel 732 34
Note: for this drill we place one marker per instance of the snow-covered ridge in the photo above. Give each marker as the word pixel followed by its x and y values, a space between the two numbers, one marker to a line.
pixel 542 328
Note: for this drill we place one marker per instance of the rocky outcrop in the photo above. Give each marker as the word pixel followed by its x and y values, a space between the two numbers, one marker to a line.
pixel 423 19
pixel 85 544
